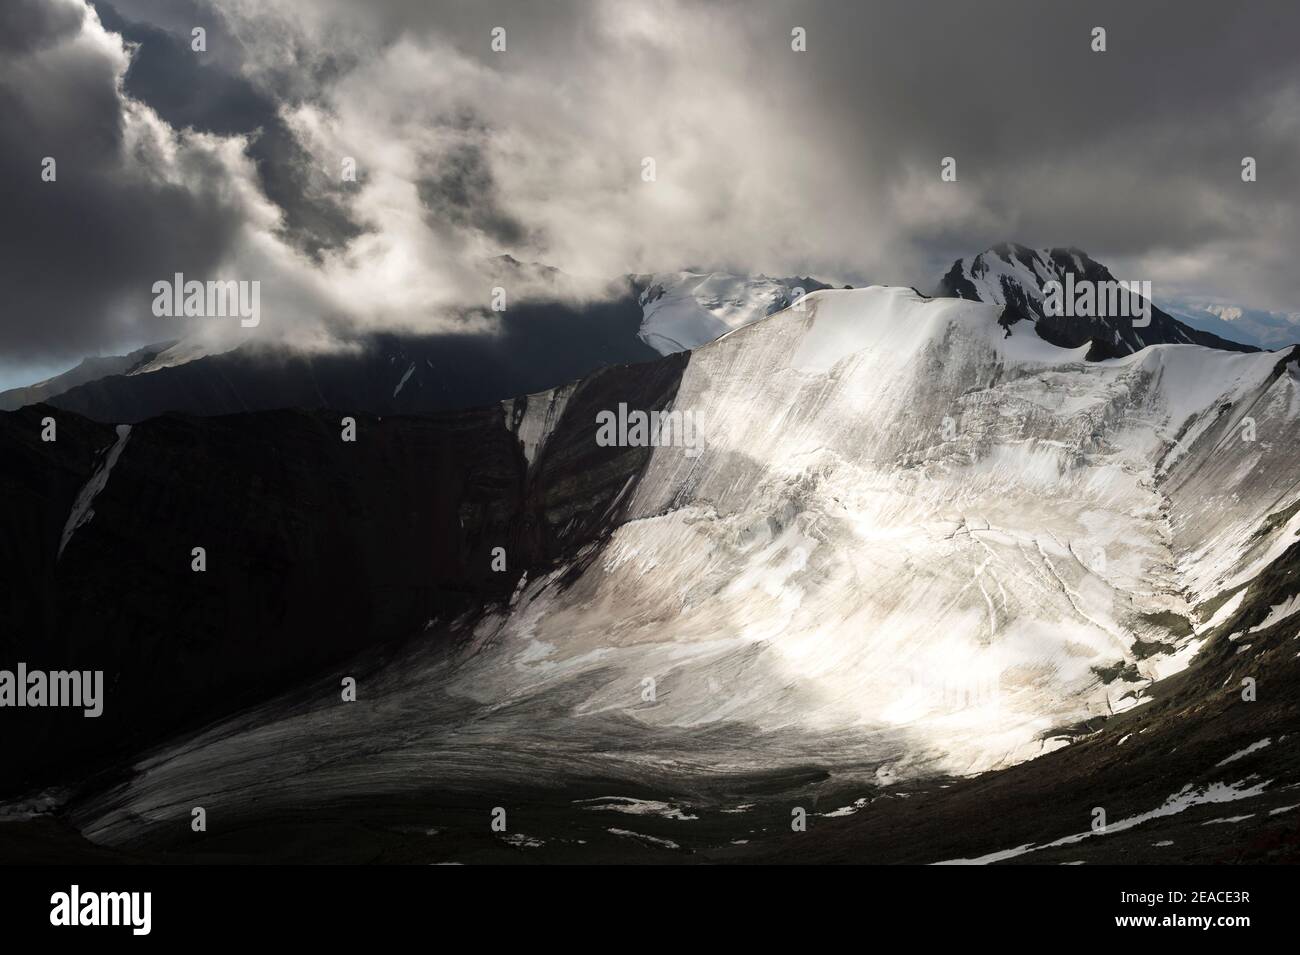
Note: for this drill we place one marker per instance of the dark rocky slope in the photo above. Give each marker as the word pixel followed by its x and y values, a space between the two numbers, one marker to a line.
pixel 91 369
pixel 316 549
pixel 539 346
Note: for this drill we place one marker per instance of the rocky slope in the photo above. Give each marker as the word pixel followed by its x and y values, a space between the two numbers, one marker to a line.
pixel 539 346
pixel 316 548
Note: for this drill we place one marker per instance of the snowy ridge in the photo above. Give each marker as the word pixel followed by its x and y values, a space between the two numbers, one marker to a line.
pixel 683 310
pixel 182 352
pixel 1187 798
pixel 1234 491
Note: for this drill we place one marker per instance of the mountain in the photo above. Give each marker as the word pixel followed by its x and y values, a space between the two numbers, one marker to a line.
pixel 540 343
pixel 1013 277
pixel 316 548
pixel 684 310
pixel 90 369
pixel 1265 329
pixel 895 565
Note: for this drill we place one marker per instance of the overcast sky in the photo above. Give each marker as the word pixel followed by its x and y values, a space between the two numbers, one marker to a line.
pixel 227 163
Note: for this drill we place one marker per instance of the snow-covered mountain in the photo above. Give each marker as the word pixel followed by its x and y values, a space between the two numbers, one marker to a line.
pixel 1013 277
pixel 546 342
pixel 909 545
pixel 684 310
pixel 542 343
pixel 90 369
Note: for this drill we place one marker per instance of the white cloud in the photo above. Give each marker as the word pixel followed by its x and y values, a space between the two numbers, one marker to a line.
pixel 825 162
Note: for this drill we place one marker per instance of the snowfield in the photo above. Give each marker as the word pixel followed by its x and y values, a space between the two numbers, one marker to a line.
pixel 684 310
pixel 905 527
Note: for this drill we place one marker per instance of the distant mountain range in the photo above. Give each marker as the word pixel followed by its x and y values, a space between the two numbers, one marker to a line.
pixel 90 369
pixel 1253 326
pixel 544 343
pixel 540 344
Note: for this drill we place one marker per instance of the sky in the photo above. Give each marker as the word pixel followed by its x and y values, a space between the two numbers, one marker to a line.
pixel 227 162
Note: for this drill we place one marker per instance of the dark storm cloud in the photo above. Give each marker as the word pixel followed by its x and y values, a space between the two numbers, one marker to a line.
pixel 34 24
pixel 824 162
pixel 1133 153
pixel 78 255
pixel 1127 151
pixel 203 93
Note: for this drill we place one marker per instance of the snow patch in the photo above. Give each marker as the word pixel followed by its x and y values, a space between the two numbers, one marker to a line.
pixel 402 383
pixel 82 512
pixel 1180 801
pixel 651 840
pixel 1278 613
pixel 636 807
pixel 1252 748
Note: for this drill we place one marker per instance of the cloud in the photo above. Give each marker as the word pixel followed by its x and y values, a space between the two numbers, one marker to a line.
pixel 196 91
pixel 766 159
pixel 35 24
pixel 132 196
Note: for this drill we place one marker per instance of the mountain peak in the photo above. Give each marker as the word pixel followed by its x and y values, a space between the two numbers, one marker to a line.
pixel 1019 278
